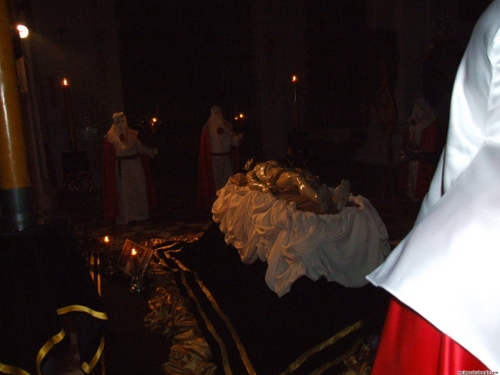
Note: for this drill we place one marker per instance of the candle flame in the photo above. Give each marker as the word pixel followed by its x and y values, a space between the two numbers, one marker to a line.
pixel 106 239
pixel 65 82
pixel 294 79
pixel 242 115
pixel 134 252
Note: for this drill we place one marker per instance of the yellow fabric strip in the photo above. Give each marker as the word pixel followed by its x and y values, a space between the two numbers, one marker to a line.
pixel 98 283
pixel 92 263
pixel 332 340
pixel 12 370
pixel 47 347
pixel 86 367
pixel 80 308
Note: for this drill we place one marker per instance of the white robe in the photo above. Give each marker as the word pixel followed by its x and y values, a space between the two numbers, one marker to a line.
pixel 222 137
pixel 446 269
pixel 131 181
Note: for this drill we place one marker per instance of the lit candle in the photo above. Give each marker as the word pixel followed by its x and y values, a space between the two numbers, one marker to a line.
pixel 107 241
pixel 69 113
pixel 295 105
pixel 135 264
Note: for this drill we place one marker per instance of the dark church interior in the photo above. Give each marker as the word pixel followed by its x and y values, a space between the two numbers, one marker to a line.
pixel 326 86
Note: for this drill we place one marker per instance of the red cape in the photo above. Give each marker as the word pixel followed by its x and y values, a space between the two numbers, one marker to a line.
pixel 430 142
pixel 206 183
pixel 109 184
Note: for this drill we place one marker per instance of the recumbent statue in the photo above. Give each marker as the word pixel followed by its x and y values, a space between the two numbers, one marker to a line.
pixel 272 176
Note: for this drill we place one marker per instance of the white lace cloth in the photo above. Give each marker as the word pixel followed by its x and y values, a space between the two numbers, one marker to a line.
pixel 344 247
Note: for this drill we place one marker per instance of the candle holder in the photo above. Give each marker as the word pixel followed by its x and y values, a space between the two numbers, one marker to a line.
pixel 134 261
pixel 137 282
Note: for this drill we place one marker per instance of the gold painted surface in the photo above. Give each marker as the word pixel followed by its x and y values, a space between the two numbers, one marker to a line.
pixel 13 160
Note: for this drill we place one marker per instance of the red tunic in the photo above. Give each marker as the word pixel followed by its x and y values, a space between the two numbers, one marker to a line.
pixel 206 183
pixel 411 345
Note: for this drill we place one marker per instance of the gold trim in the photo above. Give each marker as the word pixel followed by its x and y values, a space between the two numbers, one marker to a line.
pixel 47 347
pixel 315 349
pixel 80 308
pixel 244 357
pixel 87 368
pixel 98 283
pixel 227 321
pixel 229 325
pixel 208 323
pixel 337 360
pixel 13 370
pixel 92 263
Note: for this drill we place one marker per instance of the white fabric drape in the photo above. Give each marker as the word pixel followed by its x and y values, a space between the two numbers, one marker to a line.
pixel 446 269
pixel 344 247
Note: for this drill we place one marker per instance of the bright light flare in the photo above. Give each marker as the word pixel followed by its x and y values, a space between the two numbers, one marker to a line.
pixel 23 31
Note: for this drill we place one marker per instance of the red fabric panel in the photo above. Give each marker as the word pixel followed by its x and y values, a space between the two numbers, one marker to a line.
pixel 411 345
pixel 429 142
pixel 206 183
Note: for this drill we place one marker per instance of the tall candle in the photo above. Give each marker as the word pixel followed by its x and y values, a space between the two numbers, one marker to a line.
pixel 295 105
pixel 135 262
pixel 69 113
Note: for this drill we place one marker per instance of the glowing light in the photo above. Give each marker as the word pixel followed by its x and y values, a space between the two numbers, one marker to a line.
pixel 23 31
pixel 134 252
pixel 106 240
pixel 242 115
pixel 65 82
pixel 294 79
